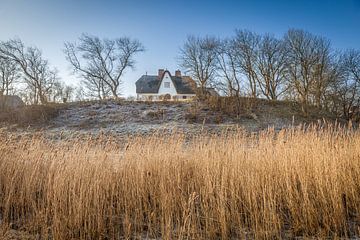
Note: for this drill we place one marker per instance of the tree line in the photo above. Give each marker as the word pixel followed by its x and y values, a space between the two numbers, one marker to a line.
pixel 100 64
pixel 300 66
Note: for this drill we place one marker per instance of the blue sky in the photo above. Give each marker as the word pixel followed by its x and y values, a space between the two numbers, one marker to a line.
pixel 162 26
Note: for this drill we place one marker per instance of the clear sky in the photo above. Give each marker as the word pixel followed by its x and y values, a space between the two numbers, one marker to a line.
pixel 162 26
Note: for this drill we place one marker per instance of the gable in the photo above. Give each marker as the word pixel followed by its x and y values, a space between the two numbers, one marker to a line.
pixel 167 85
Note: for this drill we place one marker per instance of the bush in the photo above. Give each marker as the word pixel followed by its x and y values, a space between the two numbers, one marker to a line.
pixel 30 115
pixel 159 114
pixel 191 117
pixel 231 105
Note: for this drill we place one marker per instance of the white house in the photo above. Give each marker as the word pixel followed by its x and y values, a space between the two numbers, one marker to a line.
pixel 165 86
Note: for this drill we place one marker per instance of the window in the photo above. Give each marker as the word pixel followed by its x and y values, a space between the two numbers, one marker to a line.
pixel 166 84
pixel 184 97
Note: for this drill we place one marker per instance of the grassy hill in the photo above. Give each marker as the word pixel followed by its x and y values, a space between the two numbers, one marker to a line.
pixel 123 118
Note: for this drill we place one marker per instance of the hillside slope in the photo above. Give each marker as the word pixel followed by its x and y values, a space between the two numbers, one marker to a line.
pixel 132 118
pixel 121 119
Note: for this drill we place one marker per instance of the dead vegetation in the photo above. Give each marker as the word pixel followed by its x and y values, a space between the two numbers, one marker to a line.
pixel 210 110
pixel 248 107
pixel 30 114
pixel 232 105
pixel 272 185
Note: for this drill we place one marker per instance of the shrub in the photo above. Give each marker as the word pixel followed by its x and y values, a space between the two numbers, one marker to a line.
pixel 231 105
pixel 30 114
pixel 218 119
pixel 159 113
pixel 191 117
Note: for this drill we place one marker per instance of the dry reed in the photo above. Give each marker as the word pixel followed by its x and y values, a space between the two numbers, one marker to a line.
pixel 270 185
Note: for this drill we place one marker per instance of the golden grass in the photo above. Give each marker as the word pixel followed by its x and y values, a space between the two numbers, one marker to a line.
pixel 271 185
pixel 30 114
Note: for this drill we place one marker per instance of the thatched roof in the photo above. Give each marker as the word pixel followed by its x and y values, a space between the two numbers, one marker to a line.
pixel 151 84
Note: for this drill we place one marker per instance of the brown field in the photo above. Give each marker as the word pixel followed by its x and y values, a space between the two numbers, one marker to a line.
pixel 269 185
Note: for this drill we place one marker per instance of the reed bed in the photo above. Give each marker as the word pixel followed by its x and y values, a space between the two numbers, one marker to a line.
pixel 297 182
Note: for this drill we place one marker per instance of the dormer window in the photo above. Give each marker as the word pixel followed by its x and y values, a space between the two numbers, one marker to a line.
pixel 166 84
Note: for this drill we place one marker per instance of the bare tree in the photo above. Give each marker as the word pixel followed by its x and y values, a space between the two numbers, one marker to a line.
pixel 102 61
pixel 95 88
pixel 260 60
pixel 346 88
pixel 61 92
pixel 9 74
pixel 34 68
pixel 68 93
pixel 311 67
pixel 228 68
pixel 247 47
pixel 198 57
pixel 345 97
pixel 302 58
pixel 79 93
pixel 351 64
pixel 57 91
pixel 270 66
pixel 323 73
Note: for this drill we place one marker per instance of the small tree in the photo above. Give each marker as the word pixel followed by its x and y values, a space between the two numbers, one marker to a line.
pixel 228 68
pixel 61 92
pixel 9 74
pixel 271 67
pixel 247 48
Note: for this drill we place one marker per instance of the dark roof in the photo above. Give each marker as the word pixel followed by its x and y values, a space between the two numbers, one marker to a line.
pixel 151 84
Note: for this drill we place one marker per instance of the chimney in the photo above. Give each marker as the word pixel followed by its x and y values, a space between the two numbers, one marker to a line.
pixel 161 72
pixel 178 73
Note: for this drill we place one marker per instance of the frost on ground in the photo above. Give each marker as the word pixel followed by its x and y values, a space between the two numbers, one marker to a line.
pixel 131 119
pixel 143 118
pixel 139 118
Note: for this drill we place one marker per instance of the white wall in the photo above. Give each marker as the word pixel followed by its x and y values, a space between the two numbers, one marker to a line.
pixel 163 90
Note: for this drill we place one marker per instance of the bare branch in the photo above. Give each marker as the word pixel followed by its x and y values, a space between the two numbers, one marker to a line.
pixel 102 63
